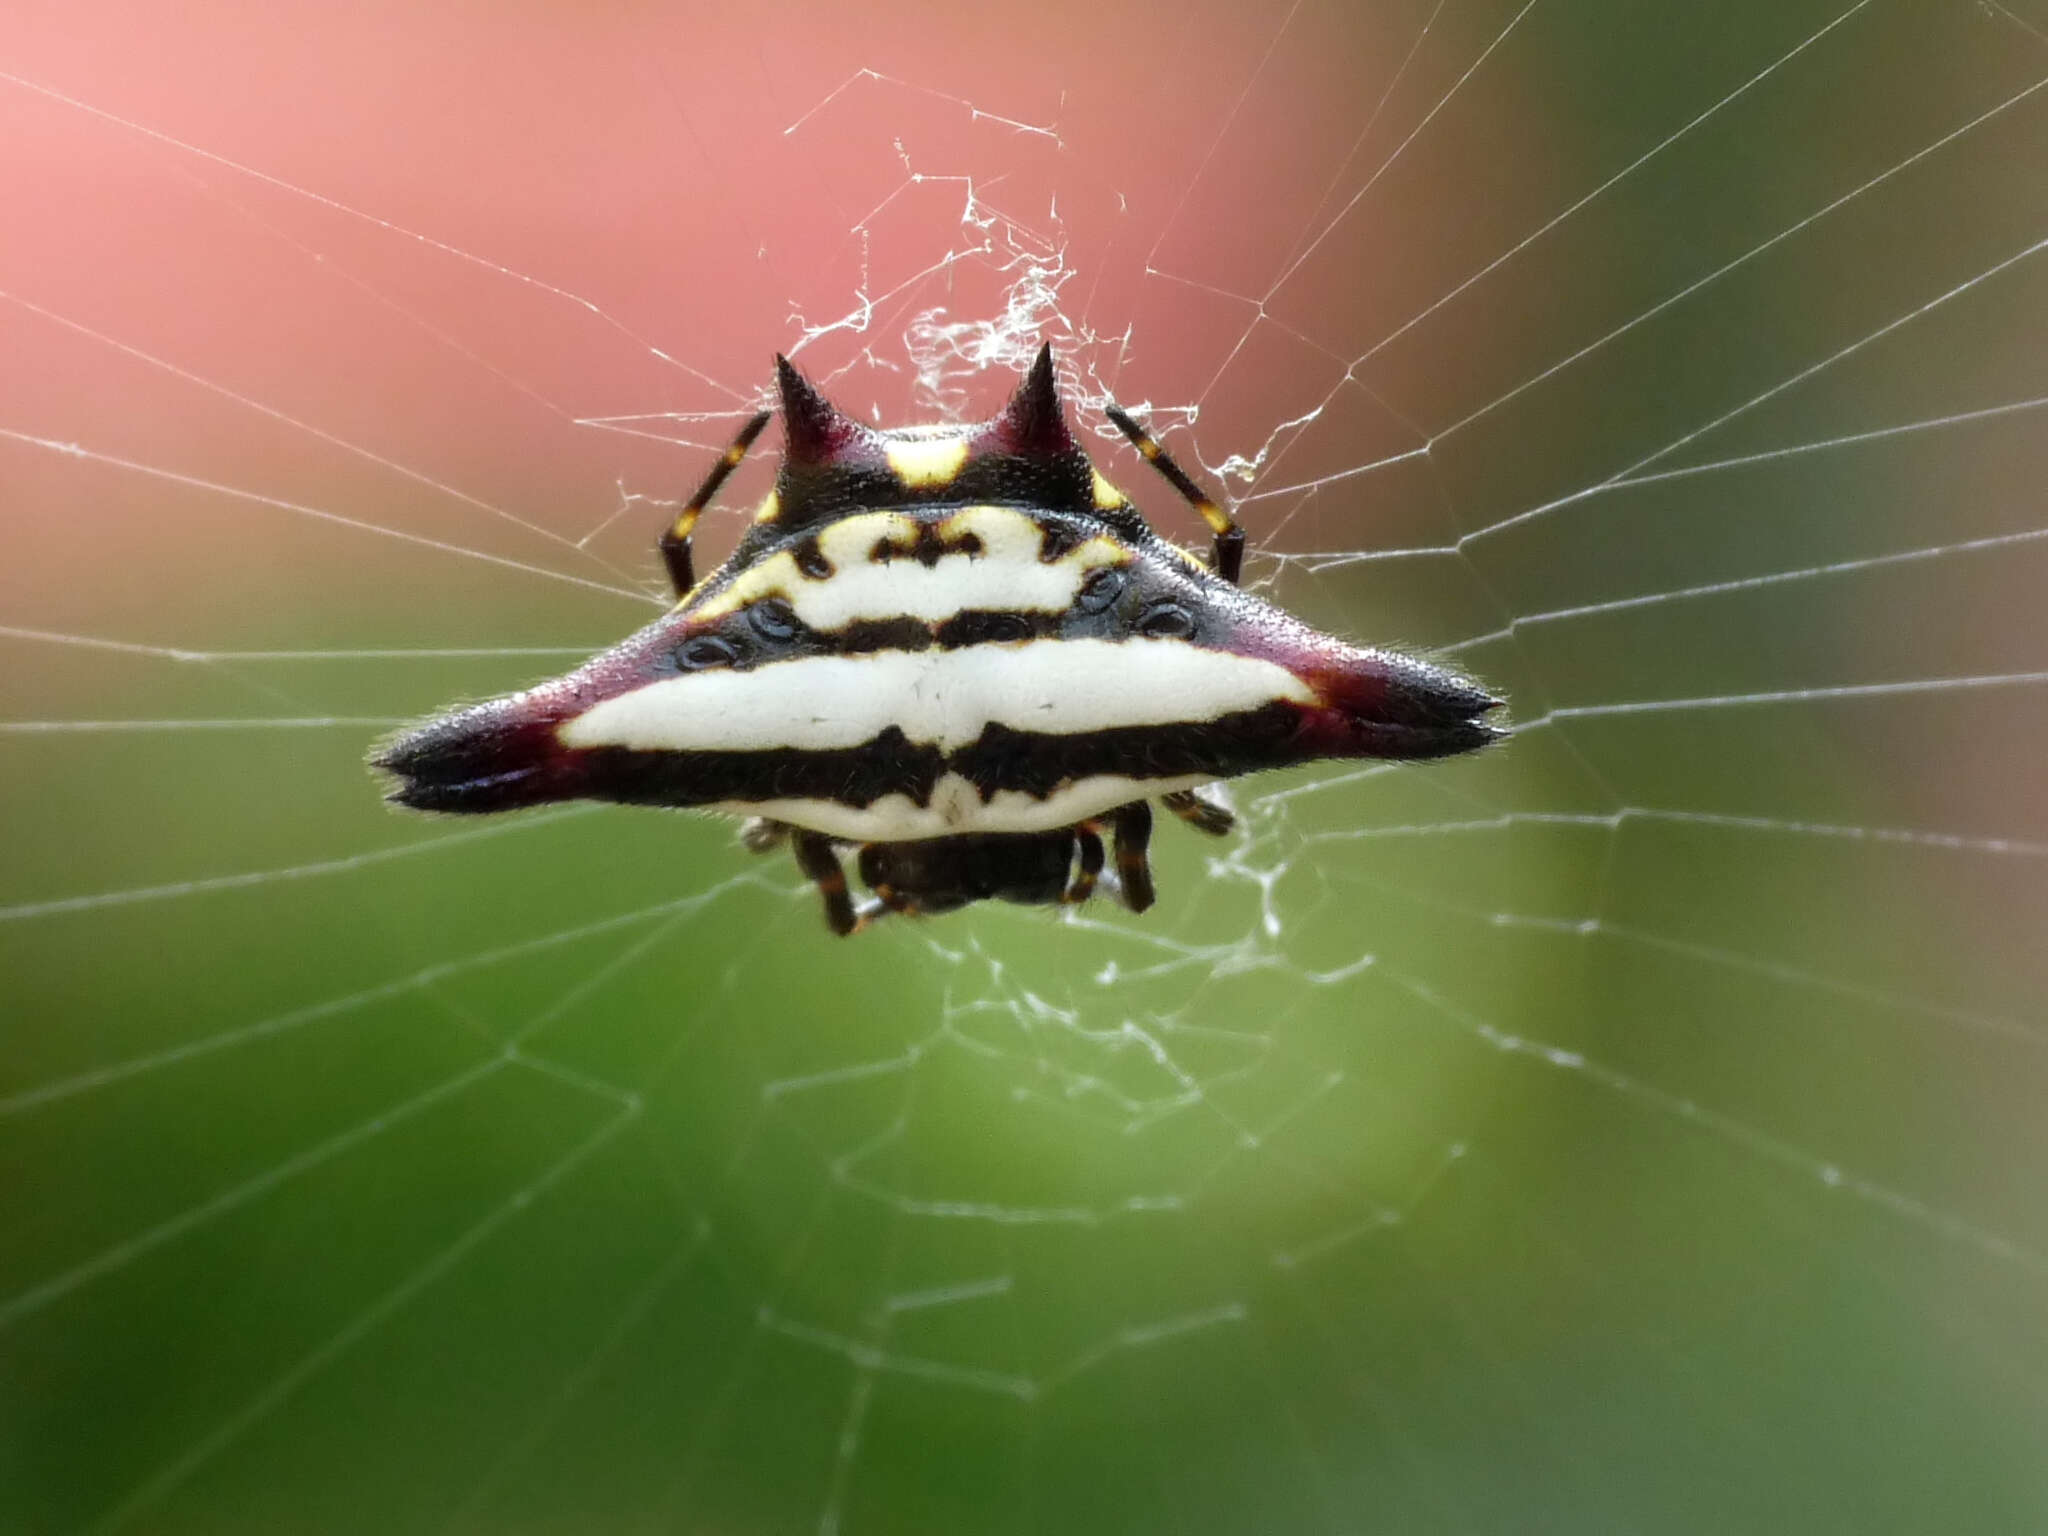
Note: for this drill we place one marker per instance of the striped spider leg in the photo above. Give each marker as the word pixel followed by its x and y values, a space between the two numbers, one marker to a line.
pixel 675 540
pixel 1227 553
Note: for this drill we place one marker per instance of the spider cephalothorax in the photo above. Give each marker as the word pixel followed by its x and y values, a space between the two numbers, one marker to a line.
pixel 959 648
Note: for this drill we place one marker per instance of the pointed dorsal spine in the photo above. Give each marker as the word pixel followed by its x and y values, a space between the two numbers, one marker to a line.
pixel 815 432
pixel 1034 424
pixel 832 464
pixel 1027 454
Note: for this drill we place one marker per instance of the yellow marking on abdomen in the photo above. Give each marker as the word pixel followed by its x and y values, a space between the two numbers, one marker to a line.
pixel 991 561
pixel 924 464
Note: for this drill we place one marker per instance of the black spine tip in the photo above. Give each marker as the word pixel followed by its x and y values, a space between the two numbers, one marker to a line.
pixel 1034 424
pixel 1041 373
pixel 814 430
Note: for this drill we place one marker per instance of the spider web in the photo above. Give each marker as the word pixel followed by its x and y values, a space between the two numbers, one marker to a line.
pixel 1633 1127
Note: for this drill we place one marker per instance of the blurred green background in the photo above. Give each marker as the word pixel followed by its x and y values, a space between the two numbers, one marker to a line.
pixel 1634 1128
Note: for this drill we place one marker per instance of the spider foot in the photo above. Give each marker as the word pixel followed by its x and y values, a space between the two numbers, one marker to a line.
pixel 1088 839
pixel 759 834
pixel 820 863
pixel 1133 832
pixel 1202 815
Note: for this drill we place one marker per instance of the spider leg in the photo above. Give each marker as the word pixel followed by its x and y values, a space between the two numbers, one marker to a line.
pixel 675 542
pixel 761 834
pixel 814 856
pixel 1089 836
pixel 1228 556
pixel 1132 825
pixel 1202 815
pixel 892 900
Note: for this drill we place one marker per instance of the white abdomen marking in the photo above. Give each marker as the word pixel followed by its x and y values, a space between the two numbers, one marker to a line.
pixel 957 807
pixel 942 697
pixel 1001 569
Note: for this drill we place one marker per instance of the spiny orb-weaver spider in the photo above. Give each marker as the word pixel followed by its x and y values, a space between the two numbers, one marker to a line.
pixel 958 648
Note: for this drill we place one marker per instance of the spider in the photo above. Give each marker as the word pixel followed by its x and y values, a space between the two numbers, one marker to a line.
pixel 958 649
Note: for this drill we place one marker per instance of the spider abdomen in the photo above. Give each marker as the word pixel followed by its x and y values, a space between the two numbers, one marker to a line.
pixel 898 654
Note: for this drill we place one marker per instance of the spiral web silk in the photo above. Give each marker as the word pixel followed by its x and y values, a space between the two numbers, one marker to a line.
pixel 1534 1138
